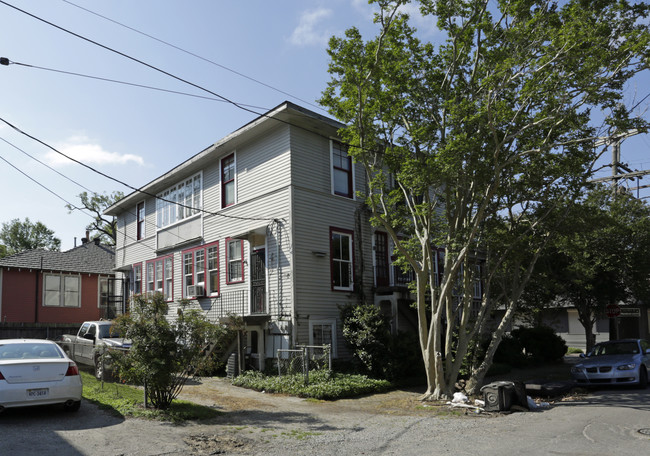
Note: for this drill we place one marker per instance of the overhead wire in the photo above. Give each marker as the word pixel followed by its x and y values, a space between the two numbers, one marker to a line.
pixel 72 206
pixel 142 86
pixel 114 179
pixel 178 48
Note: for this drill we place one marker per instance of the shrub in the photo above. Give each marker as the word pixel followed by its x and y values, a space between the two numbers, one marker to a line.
pixel 322 384
pixel 367 332
pixel 163 355
pixel 525 346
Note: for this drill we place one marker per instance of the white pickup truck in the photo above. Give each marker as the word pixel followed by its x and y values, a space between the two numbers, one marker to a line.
pixel 93 339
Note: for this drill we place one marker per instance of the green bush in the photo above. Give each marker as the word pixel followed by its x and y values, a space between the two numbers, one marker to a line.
pixel 526 346
pixel 323 385
pixel 574 350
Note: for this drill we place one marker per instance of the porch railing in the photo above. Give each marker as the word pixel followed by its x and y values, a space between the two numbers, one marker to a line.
pixel 233 302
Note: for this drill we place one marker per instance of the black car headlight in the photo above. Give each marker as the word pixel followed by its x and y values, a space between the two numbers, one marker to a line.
pixel 625 367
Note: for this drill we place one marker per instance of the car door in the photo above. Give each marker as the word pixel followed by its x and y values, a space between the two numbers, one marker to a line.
pixel 645 348
pixel 88 344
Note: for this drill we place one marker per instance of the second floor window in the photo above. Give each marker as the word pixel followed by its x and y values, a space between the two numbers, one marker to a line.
pixel 228 181
pixel 179 202
pixel 341 170
pixel 140 222
pixel 342 259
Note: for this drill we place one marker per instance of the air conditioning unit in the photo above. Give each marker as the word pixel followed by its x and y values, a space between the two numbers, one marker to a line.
pixel 195 290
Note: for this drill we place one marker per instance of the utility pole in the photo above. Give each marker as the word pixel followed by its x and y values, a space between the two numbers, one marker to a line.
pixel 617 167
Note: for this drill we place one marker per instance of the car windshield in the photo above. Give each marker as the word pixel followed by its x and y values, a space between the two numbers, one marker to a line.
pixel 106 331
pixel 29 350
pixel 619 348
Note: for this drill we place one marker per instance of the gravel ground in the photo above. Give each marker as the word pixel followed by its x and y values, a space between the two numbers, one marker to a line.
pixel 253 423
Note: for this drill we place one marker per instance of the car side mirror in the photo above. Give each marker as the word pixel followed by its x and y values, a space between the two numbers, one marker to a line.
pixel 647 352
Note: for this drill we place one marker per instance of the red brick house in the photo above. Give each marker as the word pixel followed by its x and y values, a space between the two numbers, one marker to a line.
pixel 42 286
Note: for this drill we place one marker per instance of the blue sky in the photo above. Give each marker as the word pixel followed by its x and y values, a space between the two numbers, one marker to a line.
pixel 257 53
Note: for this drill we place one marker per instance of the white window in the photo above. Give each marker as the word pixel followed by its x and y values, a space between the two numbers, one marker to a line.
pixel 342 170
pixel 160 277
pixel 62 290
pixel 181 201
pixel 234 257
pixel 323 332
pixel 342 259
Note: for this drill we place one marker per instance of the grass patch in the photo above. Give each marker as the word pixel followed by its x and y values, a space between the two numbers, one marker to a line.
pixel 574 350
pixel 322 385
pixel 126 400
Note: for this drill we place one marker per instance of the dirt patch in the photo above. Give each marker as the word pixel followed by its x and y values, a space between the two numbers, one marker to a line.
pixel 201 444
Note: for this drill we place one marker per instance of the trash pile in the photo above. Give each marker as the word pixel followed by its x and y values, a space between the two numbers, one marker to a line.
pixel 501 396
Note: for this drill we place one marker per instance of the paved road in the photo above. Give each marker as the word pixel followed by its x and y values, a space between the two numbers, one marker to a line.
pixel 603 423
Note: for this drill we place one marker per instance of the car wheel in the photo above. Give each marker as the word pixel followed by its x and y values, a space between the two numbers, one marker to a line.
pixel 99 369
pixel 72 406
pixel 643 378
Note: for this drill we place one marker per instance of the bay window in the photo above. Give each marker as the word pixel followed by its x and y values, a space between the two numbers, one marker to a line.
pixel 179 202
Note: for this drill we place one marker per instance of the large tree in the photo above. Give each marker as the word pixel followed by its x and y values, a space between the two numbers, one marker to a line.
pixel 102 226
pixel 599 256
pixel 18 236
pixel 471 143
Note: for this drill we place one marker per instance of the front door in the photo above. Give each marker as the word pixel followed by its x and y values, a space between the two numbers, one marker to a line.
pixel 258 281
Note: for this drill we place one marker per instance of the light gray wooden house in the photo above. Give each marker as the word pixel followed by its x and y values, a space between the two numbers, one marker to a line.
pixel 266 223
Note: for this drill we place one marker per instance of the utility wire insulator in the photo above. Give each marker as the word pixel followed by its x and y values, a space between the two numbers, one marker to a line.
pixel 4 61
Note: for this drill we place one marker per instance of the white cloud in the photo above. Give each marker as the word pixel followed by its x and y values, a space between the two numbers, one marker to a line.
pixel 84 150
pixel 307 33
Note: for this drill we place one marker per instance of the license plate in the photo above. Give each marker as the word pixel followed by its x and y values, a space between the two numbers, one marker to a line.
pixel 37 393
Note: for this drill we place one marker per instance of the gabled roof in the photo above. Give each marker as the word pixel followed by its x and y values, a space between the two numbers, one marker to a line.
pixel 90 258
pixel 286 113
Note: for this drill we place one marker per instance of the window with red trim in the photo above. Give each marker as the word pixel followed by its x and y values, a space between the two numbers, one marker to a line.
pixel 234 261
pixel 160 276
pixel 228 181
pixel 201 271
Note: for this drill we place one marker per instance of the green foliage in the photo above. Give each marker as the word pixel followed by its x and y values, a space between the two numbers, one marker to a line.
pixel 126 400
pixel 367 332
pixel 375 351
pixel 322 384
pixel 574 351
pixel 97 203
pixel 471 140
pixel 163 354
pixel 528 346
pixel 20 236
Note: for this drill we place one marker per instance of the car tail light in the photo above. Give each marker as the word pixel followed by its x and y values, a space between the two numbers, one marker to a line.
pixel 72 370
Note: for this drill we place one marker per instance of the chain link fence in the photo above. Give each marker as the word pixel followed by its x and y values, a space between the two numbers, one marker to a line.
pixel 303 359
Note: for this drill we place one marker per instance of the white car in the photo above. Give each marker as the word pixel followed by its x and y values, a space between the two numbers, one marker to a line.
pixel 37 372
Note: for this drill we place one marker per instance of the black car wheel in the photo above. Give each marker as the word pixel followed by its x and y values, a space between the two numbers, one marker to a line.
pixel 643 378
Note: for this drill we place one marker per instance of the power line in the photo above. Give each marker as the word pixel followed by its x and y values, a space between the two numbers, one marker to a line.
pixel 194 55
pixel 34 180
pixel 81 209
pixel 138 190
pixel 5 61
